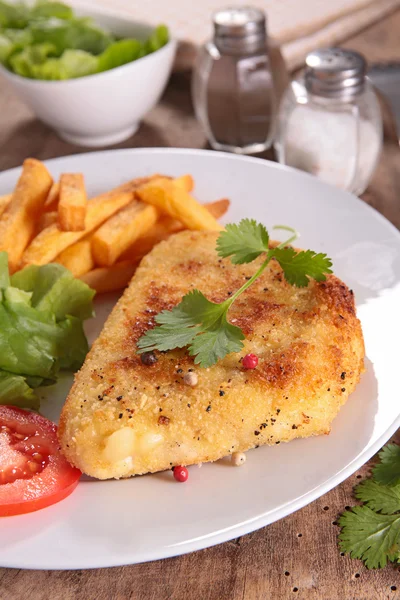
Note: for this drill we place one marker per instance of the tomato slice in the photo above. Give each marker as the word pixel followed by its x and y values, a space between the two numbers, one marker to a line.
pixel 33 472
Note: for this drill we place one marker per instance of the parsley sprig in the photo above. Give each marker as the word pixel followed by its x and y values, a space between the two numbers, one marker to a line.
pixel 202 325
pixel 372 532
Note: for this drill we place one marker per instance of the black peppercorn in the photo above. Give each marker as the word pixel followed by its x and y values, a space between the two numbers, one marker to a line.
pixel 148 358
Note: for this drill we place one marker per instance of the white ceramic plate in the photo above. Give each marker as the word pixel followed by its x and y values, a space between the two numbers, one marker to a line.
pixel 111 523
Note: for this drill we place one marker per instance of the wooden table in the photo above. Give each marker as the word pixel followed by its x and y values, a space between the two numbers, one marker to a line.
pixel 296 557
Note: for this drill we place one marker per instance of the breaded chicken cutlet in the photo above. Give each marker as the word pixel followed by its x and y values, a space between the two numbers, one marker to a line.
pixel 125 418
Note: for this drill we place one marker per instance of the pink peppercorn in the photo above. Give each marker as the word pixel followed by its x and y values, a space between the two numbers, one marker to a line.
pixel 181 474
pixel 250 361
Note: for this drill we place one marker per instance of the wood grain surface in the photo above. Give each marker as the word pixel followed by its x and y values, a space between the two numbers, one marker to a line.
pixel 295 558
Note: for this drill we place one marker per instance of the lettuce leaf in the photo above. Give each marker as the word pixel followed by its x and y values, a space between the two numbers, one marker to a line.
pixel 42 309
pixel 73 345
pixel 119 53
pixel 14 15
pixel 73 34
pixel 24 62
pixel 44 9
pixel 157 39
pixel 15 390
pixel 55 290
pixel 12 41
pixel 72 64
pixel 48 41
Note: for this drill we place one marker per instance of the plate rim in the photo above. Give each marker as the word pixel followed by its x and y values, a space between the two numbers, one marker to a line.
pixel 251 525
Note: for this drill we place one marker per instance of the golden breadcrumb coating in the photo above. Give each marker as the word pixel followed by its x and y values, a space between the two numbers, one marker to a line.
pixel 124 418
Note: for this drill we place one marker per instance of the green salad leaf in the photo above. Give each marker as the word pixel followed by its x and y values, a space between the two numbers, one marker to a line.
pixel 42 310
pixel 48 41
pixel 74 34
pixel 45 10
pixel 24 63
pixel 55 290
pixel 119 53
pixel 14 15
pixel 15 390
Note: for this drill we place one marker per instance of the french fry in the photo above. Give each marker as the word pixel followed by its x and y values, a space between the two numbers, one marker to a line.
pixel 121 230
pixel 45 220
pixel 165 227
pixel 218 208
pixel 17 223
pixel 118 276
pixel 4 202
pixel 73 202
pixel 53 197
pixel 176 202
pixel 185 182
pixel 77 258
pixel 51 241
pixel 110 279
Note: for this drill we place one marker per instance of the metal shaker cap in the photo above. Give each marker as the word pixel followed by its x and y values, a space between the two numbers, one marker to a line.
pixel 239 27
pixel 335 73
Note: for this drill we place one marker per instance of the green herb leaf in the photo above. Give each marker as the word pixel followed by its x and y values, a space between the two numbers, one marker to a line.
pixel 381 498
pixel 243 242
pixel 298 267
pixel 212 345
pixel 202 325
pixel 370 536
pixel 388 471
pixel 198 323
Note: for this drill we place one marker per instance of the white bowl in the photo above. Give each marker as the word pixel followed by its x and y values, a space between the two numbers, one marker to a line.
pixel 106 108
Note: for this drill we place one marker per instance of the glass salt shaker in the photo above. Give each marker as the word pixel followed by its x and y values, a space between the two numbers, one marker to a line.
pixel 329 120
pixel 233 86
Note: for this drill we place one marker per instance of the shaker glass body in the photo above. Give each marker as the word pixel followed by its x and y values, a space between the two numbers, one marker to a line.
pixel 234 99
pixel 338 141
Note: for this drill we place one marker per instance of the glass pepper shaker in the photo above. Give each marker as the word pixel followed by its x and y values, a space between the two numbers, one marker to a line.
pixel 329 120
pixel 233 86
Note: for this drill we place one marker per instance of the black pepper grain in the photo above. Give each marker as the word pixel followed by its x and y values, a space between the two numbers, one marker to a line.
pixel 208 408
pixel 119 398
pixel 120 415
pixel 148 358
pixel 294 426
pixel 179 370
pixel 256 432
pixel 343 375
pixel 221 393
pixel 343 389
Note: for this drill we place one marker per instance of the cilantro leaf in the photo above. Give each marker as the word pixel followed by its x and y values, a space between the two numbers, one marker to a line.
pixel 299 266
pixel 211 346
pixel 388 471
pixel 198 323
pixel 379 497
pixel 370 536
pixel 202 325
pixel 243 242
